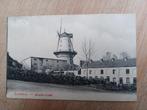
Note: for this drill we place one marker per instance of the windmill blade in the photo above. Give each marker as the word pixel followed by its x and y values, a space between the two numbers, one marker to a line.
pixel 58 40
pixel 60 26
pixel 58 34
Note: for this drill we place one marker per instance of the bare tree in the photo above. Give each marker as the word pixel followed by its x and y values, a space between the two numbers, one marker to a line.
pixel 88 50
pixel 85 50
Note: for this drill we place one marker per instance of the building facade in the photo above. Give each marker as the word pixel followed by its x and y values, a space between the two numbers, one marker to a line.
pixel 120 71
pixel 41 65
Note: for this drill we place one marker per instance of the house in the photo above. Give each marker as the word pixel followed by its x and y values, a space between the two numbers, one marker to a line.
pixel 121 71
pixel 39 64
pixel 47 65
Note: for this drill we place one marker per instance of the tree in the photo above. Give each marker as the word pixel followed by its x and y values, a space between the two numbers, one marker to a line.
pixel 109 56
pixel 114 57
pixel 124 55
pixel 88 50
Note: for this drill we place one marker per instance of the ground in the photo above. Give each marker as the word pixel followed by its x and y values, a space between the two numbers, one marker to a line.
pixel 21 89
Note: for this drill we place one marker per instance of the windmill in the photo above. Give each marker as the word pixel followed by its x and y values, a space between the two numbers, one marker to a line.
pixel 65 48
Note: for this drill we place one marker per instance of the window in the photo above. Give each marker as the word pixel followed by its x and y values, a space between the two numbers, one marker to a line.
pixel 102 71
pixel 79 72
pixel 120 80
pixel 35 59
pixel 134 80
pixel 127 80
pixel 35 64
pixel 127 71
pixel 114 71
pixel 90 71
pixel 108 78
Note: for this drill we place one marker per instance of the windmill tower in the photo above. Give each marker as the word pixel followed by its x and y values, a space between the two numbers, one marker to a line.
pixel 65 48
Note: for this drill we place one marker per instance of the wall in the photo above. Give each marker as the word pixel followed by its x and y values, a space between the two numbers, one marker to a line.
pixel 119 72
pixel 42 64
pixel 26 63
pixel 47 7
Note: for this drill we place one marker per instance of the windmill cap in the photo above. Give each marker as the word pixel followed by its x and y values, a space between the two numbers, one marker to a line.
pixel 65 34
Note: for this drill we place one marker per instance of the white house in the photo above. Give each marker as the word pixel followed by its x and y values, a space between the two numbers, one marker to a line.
pixel 121 71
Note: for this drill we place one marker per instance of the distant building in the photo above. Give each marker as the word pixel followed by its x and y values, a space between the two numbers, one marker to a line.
pixel 40 65
pixel 47 65
pixel 13 63
pixel 121 71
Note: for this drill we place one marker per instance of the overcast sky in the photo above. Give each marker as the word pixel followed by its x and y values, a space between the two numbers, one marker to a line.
pixel 37 35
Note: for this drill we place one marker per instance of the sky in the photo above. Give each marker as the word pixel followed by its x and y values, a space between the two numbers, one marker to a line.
pixel 37 35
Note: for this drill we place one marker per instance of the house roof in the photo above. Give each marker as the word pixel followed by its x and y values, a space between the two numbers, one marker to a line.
pixel 49 58
pixel 111 63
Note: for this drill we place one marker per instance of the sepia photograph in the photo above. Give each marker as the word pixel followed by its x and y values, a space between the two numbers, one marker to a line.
pixel 72 57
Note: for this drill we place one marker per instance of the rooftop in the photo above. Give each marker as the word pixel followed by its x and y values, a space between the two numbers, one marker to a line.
pixel 111 63
pixel 48 58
